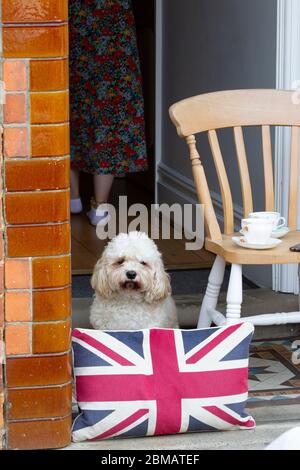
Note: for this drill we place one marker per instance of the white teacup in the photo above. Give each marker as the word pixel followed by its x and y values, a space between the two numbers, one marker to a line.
pixel 278 221
pixel 257 230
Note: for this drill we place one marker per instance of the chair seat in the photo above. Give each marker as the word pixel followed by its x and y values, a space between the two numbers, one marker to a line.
pixel 232 253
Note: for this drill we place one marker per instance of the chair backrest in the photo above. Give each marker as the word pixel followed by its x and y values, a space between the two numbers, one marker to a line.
pixel 235 109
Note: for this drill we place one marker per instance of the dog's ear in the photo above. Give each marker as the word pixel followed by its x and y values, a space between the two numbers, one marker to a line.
pixel 99 279
pixel 161 287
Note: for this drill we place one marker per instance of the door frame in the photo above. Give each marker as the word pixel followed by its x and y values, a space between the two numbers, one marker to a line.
pixel 158 88
pixel 285 277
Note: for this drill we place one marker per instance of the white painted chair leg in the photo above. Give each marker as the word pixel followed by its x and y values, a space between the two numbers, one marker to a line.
pixel 210 299
pixel 234 295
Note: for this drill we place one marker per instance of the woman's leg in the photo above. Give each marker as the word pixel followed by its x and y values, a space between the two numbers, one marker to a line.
pixel 76 205
pixel 74 183
pixel 102 187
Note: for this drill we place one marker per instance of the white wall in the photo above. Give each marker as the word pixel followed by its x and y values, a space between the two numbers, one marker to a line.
pixel 211 45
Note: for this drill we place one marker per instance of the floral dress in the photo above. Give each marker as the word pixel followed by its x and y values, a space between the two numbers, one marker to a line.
pixel 106 99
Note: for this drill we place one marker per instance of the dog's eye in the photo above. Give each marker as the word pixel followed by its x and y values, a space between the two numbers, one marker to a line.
pixel 143 263
pixel 120 261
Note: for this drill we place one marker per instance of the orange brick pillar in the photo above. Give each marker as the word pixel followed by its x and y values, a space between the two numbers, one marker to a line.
pixel 37 296
pixel 1 300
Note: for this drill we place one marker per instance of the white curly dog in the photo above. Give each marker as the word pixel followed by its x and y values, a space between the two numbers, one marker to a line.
pixel 132 289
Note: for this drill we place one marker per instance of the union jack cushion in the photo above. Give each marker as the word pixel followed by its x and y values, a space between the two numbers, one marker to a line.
pixel 160 381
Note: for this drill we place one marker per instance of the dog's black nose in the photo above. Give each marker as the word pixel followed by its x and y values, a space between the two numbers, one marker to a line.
pixel 131 275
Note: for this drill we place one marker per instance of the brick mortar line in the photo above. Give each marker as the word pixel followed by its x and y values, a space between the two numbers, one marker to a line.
pixel 43 92
pixel 41 387
pixel 35 191
pixel 28 104
pixel 59 124
pixel 37 355
pixel 34 224
pixel 38 257
pixel 49 123
pixel 49 418
pixel 13 59
pixel 34 59
pixel 38 289
pixel 49 322
pixel 15 92
pixel 9 125
pixel 28 225
pixel 39 191
pixel 55 57
pixel 11 24
pixel 39 159
pixel 38 224
pixel 56 158
pixel 58 90
pixel 24 124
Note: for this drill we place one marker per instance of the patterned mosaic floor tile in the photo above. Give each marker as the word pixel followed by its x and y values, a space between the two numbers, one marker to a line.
pixel 274 374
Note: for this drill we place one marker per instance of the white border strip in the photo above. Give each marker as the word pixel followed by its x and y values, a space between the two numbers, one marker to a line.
pixel 285 277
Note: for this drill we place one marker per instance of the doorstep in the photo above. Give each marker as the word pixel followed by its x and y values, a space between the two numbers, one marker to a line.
pixel 271 423
pixel 188 306
pixel 255 301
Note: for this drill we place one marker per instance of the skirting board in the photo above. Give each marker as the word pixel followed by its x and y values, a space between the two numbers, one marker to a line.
pixel 173 187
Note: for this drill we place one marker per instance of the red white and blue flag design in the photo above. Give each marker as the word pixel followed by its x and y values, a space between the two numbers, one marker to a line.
pixel 160 381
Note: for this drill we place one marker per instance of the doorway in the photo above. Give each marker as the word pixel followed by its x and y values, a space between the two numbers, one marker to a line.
pixel 138 187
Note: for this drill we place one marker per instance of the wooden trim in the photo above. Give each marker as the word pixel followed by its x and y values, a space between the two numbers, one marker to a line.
pixel 203 193
pixel 268 168
pixel 294 169
pixel 244 172
pixel 235 254
pixel 234 108
pixel 158 88
pixel 223 182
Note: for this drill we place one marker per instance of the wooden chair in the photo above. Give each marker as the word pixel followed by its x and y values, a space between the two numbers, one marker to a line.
pixel 234 109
